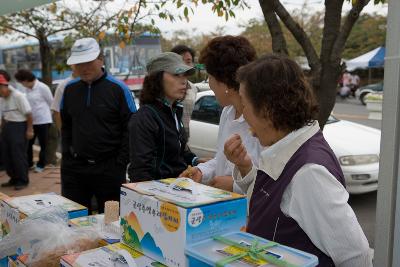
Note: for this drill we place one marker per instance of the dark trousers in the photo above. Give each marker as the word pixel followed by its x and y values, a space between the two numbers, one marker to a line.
pixel 41 132
pixel 52 144
pixel 81 181
pixel 1 151
pixel 14 144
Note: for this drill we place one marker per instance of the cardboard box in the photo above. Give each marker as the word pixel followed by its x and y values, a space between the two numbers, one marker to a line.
pixel 208 252
pixel 18 261
pixel 110 233
pixel 4 228
pixel 17 208
pixel 103 257
pixel 160 218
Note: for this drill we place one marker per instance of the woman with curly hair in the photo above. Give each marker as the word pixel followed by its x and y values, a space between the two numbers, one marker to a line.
pixel 222 56
pixel 297 193
pixel 157 138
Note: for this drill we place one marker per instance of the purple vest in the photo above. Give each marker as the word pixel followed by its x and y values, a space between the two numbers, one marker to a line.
pixel 266 218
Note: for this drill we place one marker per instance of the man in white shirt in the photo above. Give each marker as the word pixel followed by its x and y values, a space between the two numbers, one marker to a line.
pixel 16 130
pixel 55 106
pixel 190 98
pixel 40 99
pixel 8 78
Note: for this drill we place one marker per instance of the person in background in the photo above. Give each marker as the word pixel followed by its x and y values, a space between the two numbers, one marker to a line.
pixel 354 83
pixel 157 139
pixel 222 56
pixel 55 106
pixel 16 131
pixel 95 111
pixel 8 78
pixel 55 129
pixel 40 99
pixel 189 100
pixel 297 194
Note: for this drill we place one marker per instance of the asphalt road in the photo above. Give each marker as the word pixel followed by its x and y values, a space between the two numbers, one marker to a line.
pixel 364 205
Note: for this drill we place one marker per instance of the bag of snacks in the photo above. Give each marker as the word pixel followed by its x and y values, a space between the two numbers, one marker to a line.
pixel 45 236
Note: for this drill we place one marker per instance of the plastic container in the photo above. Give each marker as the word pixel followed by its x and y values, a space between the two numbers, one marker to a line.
pixel 110 233
pixel 208 252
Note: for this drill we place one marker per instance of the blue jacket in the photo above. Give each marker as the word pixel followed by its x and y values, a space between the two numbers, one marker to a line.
pixel 95 120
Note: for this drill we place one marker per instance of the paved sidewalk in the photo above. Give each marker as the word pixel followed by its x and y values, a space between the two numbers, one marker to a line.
pixel 44 182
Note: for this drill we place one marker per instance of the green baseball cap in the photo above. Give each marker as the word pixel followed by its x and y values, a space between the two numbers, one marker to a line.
pixel 169 62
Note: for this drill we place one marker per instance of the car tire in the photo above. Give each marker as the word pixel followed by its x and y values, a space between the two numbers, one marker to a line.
pixel 362 98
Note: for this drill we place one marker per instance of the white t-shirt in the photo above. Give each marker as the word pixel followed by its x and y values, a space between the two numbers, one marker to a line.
pixel 59 94
pixel 15 107
pixel 40 99
pixel 228 125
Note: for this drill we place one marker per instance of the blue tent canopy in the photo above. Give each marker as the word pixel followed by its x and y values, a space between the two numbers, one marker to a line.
pixel 372 59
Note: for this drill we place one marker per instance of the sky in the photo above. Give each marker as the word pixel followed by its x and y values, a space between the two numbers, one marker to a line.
pixel 205 21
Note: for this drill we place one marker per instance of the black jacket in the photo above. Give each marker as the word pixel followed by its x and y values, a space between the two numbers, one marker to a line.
pixel 157 148
pixel 95 121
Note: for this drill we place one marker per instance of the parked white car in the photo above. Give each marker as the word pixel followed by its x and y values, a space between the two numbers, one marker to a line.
pixel 356 146
pixel 203 86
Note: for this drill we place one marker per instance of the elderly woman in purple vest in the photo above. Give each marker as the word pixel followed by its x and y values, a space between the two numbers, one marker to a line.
pixel 297 194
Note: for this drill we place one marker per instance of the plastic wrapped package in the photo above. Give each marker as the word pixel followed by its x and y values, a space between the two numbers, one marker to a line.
pixel 45 236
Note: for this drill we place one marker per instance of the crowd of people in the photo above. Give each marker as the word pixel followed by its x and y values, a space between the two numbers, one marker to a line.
pixel 26 115
pixel 270 146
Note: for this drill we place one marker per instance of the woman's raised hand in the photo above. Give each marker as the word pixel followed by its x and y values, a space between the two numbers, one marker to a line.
pixel 236 153
pixel 193 173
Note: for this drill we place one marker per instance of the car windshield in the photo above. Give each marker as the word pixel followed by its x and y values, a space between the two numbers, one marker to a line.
pixel 374 86
pixel 331 119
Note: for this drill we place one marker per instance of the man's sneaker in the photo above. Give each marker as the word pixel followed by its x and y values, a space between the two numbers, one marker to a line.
pixel 38 169
pixel 51 166
pixel 8 184
pixel 20 186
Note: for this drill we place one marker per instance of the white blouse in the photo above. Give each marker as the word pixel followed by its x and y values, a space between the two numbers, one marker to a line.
pixel 228 125
pixel 316 200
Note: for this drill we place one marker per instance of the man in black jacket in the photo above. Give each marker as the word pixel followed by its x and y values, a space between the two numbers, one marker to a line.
pixel 95 112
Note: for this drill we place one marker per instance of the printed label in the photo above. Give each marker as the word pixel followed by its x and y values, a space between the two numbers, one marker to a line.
pixel 195 217
pixel 170 217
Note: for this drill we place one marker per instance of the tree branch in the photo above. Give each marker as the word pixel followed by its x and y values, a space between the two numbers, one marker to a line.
pixel 345 31
pixel 61 30
pixel 299 34
pixel 19 31
pixel 278 39
pixel 135 20
pixel 93 12
pixel 333 14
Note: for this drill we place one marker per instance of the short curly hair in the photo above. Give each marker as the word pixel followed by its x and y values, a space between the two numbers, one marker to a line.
pixel 277 87
pixel 153 88
pixel 223 55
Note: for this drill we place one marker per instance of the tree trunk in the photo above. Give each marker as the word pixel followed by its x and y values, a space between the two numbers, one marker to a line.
pixel 330 70
pixel 326 92
pixel 278 39
pixel 45 58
